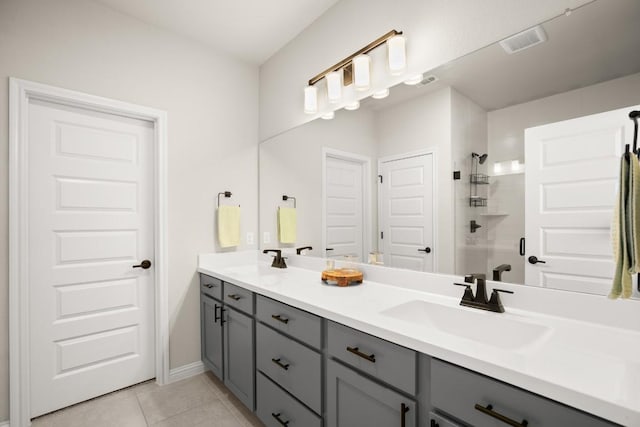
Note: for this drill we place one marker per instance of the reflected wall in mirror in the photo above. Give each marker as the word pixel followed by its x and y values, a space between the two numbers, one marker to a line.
pixel 538 172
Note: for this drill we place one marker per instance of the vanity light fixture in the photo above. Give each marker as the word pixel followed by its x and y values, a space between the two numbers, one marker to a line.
pixel 362 72
pixel 397 54
pixel 334 86
pixel 310 99
pixel 352 106
pixel 356 69
pixel 380 94
pixel 413 80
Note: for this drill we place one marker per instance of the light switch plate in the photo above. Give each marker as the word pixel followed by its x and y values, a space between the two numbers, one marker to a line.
pixel 249 238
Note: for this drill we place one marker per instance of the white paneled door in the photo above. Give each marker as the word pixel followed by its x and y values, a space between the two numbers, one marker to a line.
pixel 91 221
pixel 406 212
pixel 571 185
pixel 344 206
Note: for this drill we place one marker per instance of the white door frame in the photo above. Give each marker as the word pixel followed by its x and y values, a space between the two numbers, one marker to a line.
pixel 434 177
pixel 20 93
pixel 366 198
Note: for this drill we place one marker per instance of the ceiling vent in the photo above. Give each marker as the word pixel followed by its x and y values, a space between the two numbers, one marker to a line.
pixel 427 80
pixel 524 40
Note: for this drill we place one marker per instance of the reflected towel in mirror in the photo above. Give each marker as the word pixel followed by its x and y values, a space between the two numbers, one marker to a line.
pixel 287 225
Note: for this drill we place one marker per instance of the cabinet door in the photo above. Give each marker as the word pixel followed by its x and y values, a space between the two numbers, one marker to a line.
pixel 239 359
pixel 211 334
pixel 355 401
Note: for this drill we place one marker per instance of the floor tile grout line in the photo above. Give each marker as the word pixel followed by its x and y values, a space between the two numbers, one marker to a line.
pixel 142 410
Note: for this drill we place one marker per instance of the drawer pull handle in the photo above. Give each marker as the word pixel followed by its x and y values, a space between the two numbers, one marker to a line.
pixel 234 297
pixel 279 318
pixel 370 357
pixel 279 363
pixel 498 416
pixel 209 285
pixel 277 417
pixel 403 412
pixel 222 321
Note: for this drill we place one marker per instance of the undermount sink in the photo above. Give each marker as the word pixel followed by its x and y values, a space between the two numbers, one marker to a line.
pixel 501 330
pixel 265 275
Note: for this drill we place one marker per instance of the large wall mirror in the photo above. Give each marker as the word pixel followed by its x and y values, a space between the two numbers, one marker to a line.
pixel 498 163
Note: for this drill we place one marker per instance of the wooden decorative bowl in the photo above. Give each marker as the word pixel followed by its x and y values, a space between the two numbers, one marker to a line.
pixel 342 276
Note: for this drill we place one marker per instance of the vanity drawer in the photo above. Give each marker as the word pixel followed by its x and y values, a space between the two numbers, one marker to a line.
pixel 301 325
pixel 293 366
pixel 275 404
pixel 238 297
pixel 391 363
pixel 211 286
pixel 457 391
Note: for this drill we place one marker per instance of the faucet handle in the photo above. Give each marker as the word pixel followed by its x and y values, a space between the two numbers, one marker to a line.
pixel 494 301
pixel 468 292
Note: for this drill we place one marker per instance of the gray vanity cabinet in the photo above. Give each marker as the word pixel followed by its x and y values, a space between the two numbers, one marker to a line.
pixel 485 402
pixel 356 401
pixel 211 336
pixel 227 336
pixel 239 360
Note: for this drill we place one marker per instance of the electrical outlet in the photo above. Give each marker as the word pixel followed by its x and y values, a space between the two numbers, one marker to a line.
pixel 249 238
pixel 266 237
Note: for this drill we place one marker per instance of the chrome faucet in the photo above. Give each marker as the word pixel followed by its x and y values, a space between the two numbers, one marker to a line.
pixel 479 300
pixel 278 259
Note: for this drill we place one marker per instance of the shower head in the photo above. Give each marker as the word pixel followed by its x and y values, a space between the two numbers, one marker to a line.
pixel 481 157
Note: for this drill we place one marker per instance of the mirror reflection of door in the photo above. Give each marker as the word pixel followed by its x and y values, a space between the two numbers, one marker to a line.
pixel 344 208
pixel 406 206
pixel 571 185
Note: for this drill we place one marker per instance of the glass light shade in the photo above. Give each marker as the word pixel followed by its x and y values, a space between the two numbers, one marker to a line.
pixel 380 94
pixel 352 106
pixel 334 86
pixel 310 99
pixel 413 80
pixel 397 54
pixel 328 116
pixel 362 72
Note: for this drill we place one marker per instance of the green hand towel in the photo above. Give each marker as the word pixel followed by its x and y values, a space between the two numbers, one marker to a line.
pixel 634 203
pixel 620 224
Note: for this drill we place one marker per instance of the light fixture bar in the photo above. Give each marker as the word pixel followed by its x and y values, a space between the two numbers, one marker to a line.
pixel 368 48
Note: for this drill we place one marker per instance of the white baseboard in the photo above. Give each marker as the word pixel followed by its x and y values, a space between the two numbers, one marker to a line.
pixel 182 372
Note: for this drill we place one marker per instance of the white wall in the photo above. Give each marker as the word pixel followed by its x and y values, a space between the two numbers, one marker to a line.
pixel 468 135
pixel 212 105
pixel 424 123
pixel 506 142
pixel 291 163
pixel 437 32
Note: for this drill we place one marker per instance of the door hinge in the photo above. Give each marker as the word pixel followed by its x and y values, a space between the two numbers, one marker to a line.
pixel 380 176
pixel 382 234
pixel 456 175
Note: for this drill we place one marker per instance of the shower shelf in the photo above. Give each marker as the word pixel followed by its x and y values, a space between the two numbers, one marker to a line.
pixel 477 201
pixel 479 178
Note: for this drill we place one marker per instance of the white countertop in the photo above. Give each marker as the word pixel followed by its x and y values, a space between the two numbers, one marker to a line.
pixel 591 366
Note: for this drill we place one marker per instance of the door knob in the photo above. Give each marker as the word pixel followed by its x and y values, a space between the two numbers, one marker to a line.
pixel 534 260
pixel 144 264
pixel 427 250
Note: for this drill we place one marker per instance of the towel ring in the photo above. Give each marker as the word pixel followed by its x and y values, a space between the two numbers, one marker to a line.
pixel 226 194
pixel 285 198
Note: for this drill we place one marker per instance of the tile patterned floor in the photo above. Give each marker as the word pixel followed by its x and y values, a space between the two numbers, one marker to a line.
pixel 199 401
